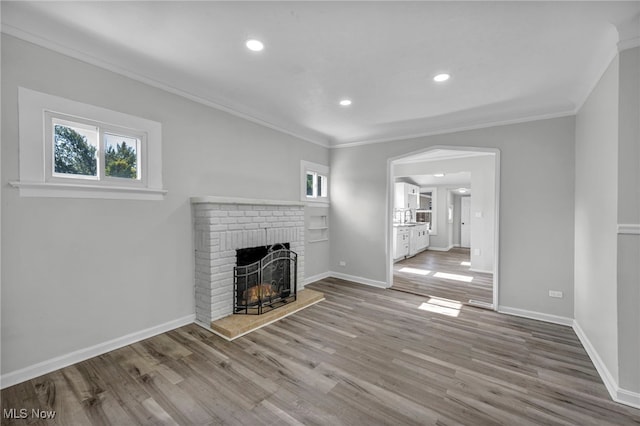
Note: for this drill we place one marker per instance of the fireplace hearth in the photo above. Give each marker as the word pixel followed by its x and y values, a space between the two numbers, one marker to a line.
pixel 265 278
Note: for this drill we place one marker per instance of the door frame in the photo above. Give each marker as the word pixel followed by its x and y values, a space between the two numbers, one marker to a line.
pixel 467 200
pixel 390 204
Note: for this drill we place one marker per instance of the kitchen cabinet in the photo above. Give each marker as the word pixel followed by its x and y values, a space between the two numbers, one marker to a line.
pixel 406 196
pixel 419 239
pixel 400 242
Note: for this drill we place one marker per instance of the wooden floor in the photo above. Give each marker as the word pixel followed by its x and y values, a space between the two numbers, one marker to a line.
pixel 364 356
pixel 417 275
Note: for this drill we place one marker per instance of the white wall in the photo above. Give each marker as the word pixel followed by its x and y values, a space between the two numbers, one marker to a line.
pixel 596 201
pixel 536 244
pixel 80 272
pixel 482 170
pixel 607 247
pixel 629 214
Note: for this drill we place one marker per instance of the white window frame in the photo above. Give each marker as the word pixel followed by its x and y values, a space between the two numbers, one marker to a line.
pixel 37 179
pixel 307 167
pixel 434 208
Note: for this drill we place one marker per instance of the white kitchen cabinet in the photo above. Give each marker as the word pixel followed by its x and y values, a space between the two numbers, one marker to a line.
pixel 400 242
pixel 406 196
pixel 421 238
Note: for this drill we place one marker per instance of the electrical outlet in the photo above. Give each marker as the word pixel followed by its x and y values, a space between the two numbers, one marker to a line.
pixel 557 294
pixel 342 263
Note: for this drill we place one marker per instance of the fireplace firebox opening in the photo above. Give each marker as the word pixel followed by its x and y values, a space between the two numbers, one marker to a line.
pixel 265 278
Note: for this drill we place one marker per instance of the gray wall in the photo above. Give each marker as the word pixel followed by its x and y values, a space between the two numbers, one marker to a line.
pixel 629 213
pixel 596 201
pixel 79 272
pixel 536 244
pixel 457 218
pixel 607 203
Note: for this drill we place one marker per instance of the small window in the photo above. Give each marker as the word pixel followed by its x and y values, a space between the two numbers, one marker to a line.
pixel 122 156
pixel 87 151
pixel 315 182
pixel 316 185
pixel 74 150
pixel 92 151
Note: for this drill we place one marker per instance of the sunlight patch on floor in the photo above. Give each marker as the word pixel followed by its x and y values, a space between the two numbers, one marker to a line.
pixel 415 271
pixel 456 277
pixel 465 263
pixel 442 306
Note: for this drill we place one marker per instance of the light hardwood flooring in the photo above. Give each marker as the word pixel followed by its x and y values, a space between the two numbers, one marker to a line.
pixel 423 275
pixel 364 356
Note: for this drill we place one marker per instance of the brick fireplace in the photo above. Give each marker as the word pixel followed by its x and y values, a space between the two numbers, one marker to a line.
pixel 223 225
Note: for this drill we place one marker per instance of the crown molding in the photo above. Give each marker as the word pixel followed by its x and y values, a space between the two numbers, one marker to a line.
pixel 93 60
pixel 455 129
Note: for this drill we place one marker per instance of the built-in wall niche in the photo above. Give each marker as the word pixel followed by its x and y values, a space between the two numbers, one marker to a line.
pixel 318 228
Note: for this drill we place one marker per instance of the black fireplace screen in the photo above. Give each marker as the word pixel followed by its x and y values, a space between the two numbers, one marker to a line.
pixel 264 278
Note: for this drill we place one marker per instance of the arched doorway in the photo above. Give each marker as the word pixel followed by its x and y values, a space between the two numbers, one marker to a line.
pixel 442 177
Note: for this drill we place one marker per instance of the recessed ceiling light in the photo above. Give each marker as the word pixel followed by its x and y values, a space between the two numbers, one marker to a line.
pixel 441 77
pixel 439 175
pixel 462 190
pixel 255 45
pixel 345 102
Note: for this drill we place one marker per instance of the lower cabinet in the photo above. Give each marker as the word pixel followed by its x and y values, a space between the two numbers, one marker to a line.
pixel 400 243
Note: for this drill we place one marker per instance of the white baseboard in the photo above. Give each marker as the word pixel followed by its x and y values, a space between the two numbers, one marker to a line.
pixel 439 248
pixel 317 277
pixel 44 367
pixel 481 271
pixel 622 396
pixel 359 280
pixel 540 316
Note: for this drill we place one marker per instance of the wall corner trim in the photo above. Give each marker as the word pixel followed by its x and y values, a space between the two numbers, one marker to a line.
pixel 44 367
pixel 618 394
pixel 629 228
pixel 539 316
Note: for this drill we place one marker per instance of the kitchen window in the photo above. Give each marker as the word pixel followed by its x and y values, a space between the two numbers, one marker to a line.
pixel 77 150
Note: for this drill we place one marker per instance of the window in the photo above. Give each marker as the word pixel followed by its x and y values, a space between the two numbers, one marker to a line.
pixel 315 182
pixel 428 209
pixel 316 185
pixel 87 152
pixel 92 151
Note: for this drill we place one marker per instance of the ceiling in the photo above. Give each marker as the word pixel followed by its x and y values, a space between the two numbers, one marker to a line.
pixel 509 61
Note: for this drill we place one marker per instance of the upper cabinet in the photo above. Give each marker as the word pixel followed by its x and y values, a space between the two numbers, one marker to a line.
pixel 406 196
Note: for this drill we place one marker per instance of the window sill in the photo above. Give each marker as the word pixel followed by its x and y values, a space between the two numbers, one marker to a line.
pixel 73 190
pixel 317 202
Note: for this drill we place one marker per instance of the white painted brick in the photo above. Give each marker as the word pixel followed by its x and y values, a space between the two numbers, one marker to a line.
pixel 225 228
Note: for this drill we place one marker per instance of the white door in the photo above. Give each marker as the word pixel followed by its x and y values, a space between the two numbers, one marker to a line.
pixel 465 222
